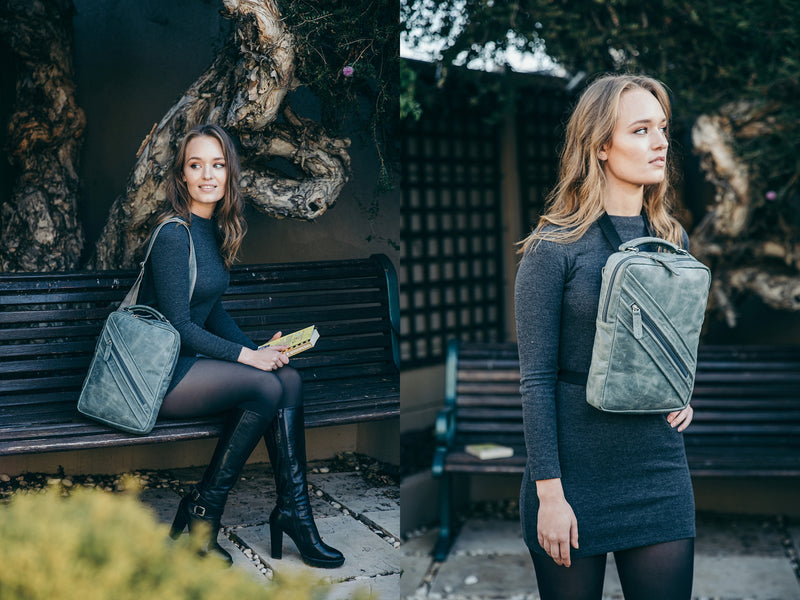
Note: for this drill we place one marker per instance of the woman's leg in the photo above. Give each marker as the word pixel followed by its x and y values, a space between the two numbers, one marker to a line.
pixel 214 386
pixel 658 572
pixel 292 514
pixel 583 580
pixel 252 398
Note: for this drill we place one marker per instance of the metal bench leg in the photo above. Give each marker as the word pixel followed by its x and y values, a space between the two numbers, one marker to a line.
pixel 445 540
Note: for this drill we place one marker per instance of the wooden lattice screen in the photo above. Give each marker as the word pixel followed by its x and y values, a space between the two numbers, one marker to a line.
pixel 451 257
pixel 540 129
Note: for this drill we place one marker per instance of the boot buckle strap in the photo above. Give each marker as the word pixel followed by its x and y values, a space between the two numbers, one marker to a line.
pixel 194 496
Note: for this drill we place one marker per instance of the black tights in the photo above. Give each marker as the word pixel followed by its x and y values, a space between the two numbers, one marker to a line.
pixel 213 386
pixel 657 572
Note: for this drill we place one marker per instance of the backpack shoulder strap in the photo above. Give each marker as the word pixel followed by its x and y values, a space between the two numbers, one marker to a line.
pixel 133 295
pixel 609 232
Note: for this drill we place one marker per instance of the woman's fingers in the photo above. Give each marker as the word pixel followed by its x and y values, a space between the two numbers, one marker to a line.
pixel 563 548
pixel 681 418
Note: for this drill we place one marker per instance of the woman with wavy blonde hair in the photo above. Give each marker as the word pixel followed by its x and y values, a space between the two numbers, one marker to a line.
pixel 598 482
pixel 220 370
pixel 577 199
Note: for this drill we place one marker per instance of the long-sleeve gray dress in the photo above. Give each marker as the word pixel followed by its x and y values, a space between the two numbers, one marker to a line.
pixel 625 476
pixel 204 326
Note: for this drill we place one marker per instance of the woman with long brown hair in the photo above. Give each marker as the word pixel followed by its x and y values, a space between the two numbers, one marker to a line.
pixel 598 482
pixel 220 370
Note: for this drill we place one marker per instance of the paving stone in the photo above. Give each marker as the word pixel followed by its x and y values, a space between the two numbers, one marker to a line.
pixel 389 520
pixel 360 495
pixel 794 533
pixel 611 585
pixel 490 536
pixel 725 535
pixel 413 569
pixel 366 554
pixel 384 587
pixel 420 544
pixel 252 498
pixel 751 577
pixel 242 562
pixel 496 576
pixel 163 503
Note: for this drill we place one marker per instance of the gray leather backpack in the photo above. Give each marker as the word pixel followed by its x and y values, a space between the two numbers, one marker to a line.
pixel 651 311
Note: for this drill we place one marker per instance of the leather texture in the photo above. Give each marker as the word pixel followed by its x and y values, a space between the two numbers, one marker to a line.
pixel 134 360
pixel 651 311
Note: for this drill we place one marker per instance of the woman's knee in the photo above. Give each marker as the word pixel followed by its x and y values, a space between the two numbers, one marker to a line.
pixel 292 386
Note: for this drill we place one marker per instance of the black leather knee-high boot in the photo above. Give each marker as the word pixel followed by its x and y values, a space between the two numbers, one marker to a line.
pixel 292 514
pixel 206 502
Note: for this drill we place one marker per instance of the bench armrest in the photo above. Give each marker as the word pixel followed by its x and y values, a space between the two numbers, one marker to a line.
pixel 445 428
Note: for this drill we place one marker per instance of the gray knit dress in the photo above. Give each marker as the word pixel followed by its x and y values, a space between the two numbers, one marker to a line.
pixel 204 326
pixel 625 476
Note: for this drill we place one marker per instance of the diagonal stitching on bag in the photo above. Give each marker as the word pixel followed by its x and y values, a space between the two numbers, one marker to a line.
pixel 140 381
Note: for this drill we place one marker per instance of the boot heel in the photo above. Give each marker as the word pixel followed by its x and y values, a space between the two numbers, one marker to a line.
pixel 276 540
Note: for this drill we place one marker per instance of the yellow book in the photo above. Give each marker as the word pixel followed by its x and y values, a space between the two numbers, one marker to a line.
pixel 489 451
pixel 298 341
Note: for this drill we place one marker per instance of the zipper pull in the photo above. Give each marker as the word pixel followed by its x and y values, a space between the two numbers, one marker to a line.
pixel 107 351
pixel 637 321
pixel 666 265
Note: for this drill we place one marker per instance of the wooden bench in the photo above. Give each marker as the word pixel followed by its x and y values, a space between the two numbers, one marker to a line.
pixel 49 324
pixel 746 420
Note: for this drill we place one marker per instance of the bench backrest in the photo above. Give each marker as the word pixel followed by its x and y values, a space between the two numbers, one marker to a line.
pixel 49 324
pixel 483 387
pixel 746 402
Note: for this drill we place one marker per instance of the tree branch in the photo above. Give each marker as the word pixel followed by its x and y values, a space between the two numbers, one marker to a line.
pixel 243 90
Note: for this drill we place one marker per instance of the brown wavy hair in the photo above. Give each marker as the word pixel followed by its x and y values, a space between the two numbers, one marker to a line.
pixel 577 199
pixel 228 211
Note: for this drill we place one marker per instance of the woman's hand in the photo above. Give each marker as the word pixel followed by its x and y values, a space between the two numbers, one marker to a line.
pixel 681 418
pixel 557 525
pixel 266 359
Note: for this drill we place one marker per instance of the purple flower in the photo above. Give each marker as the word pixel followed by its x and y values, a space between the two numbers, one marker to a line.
pixel 771 195
pixel 348 71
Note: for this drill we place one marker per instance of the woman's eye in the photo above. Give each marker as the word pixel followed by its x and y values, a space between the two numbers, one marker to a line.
pixel 641 130
pixel 219 165
pixel 194 166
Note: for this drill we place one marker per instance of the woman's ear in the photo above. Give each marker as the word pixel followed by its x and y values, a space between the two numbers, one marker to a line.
pixel 602 154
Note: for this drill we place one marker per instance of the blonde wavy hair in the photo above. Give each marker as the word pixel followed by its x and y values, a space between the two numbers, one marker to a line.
pixel 228 212
pixel 577 199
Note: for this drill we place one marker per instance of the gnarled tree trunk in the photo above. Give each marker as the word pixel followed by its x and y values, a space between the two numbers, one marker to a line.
pixel 244 91
pixel 743 257
pixel 39 228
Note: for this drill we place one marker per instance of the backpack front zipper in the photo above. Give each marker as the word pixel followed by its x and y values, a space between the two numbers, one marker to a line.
pixel 659 336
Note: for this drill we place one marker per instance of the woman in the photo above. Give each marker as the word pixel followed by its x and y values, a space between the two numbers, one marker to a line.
pixel 598 482
pixel 220 369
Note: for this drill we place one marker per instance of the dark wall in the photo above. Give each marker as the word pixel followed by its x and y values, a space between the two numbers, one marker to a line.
pixel 133 60
pixel 7 79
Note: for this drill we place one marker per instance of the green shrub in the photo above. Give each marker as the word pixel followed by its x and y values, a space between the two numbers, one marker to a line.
pixel 92 545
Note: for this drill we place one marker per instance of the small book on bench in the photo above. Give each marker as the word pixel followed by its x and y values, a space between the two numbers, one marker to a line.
pixel 300 340
pixel 489 451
